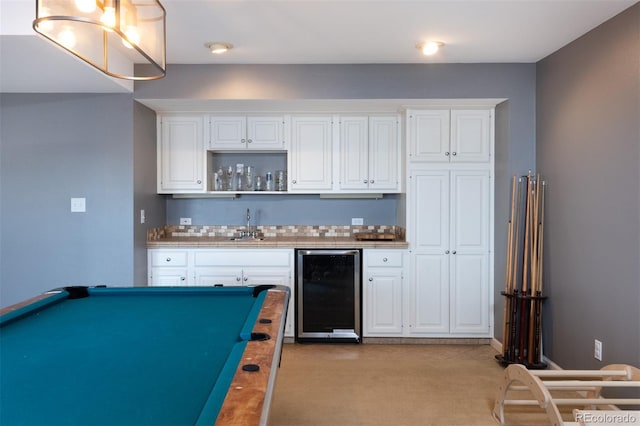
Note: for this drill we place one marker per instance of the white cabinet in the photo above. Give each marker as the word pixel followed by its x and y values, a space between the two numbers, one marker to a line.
pixel 259 133
pixel 309 160
pixel 450 136
pixel 382 295
pixel 369 153
pixel 168 268
pixel 181 154
pixel 448 229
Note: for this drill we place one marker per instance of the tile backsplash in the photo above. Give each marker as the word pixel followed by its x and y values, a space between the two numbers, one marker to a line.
pixel 283 231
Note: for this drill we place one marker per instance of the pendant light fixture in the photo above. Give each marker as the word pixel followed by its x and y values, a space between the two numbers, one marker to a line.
pixel 111 35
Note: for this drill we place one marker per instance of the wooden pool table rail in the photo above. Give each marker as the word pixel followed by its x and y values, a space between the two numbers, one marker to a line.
pixel 248 400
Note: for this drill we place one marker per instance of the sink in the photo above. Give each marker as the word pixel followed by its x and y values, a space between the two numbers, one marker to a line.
pixel 246 239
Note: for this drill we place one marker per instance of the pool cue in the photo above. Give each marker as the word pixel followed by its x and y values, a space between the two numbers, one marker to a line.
pixel 508 282
pixel 513 323
pixel 538 330
pixel 525 270
pixel 534 270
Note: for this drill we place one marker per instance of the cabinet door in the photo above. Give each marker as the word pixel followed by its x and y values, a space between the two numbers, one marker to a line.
pixel 429 294
pixel 429 211
pixel 172 277
pixel 429 136
pixel 382 302
pixel 470 209
pixel 310 154
pixel 383 153
pixel 181 154
pixel 228 133
pixel 470 136
pixel 354 150
pixel 469 292
pixel 470 206
pixel 265 133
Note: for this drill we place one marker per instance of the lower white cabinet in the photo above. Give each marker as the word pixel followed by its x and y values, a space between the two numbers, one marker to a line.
pixel 383 292
pixel 227 267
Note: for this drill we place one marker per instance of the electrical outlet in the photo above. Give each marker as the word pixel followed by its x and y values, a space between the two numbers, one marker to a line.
pixel 78 205
pixel 185 221
pixel 357 221
pixel 597 350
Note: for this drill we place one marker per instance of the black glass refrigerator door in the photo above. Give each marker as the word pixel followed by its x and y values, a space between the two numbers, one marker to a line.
pixel 328 284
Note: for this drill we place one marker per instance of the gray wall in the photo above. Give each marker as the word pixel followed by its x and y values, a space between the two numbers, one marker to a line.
pixel 588 149
pixel 515 118
pixel 145 195
pixel 284 210
pixel 54 147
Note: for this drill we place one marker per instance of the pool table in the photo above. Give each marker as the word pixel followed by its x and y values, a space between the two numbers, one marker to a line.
pixel 142 356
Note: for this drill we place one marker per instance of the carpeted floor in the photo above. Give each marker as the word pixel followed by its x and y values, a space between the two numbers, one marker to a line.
pixel 344 385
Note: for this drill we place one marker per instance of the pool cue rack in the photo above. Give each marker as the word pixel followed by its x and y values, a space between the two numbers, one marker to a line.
pixel 522 330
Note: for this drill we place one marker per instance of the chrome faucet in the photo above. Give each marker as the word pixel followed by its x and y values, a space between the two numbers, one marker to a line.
pixel 248 220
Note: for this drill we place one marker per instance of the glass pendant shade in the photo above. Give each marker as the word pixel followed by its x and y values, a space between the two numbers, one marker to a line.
pixel 111 35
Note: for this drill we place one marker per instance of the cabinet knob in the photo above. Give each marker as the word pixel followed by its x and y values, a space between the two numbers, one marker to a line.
pixel 249 140
pixel 237 278
pixel 453 252
pixel 182 278
pixel 446 252
pixel 446 153
pixel 245 279
pixel 372 181
pixel 370 279
pixel 366 181
pixel 199 181
pixel 243 140
pixel 294 181
pixel 454 153
pixel 384 259
pixel 168 259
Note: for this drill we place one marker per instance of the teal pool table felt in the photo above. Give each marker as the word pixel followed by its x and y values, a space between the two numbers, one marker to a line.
pixel 124 356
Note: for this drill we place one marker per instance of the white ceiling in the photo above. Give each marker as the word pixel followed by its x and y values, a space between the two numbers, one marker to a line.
pixel 314 31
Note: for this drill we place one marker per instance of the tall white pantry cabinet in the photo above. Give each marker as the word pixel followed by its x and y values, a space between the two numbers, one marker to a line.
pixel 450 168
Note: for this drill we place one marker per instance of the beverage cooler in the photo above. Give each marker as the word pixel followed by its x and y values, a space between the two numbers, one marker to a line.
pixel 328 288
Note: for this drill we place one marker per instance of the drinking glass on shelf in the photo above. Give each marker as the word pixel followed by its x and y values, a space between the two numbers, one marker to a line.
pixel 259 185
pixel 228 185
pixel 248 178
pixel 269 181
pixel 281 180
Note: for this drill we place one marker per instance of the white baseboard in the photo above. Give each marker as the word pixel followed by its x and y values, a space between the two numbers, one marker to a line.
pixel 497 345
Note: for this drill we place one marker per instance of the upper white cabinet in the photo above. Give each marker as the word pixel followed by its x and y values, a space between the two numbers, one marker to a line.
pixel 450 136
pixel 259 133
pixel 369 153
pixel 309 159
pixel 181 153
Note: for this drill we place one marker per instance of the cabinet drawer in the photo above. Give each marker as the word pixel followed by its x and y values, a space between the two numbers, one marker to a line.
pixel 242 257
pixel 384 258
pixel 169 258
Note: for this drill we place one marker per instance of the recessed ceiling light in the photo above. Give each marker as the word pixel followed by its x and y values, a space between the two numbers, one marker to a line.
pixel 429 47
pixel 218 47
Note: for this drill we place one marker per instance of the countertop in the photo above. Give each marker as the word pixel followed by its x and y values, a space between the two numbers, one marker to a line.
pixel 274 242
pixel 287 236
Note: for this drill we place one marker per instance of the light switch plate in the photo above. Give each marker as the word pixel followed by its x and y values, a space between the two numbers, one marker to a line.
pixel 357 221
pixel 78 205
pixel 185 221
